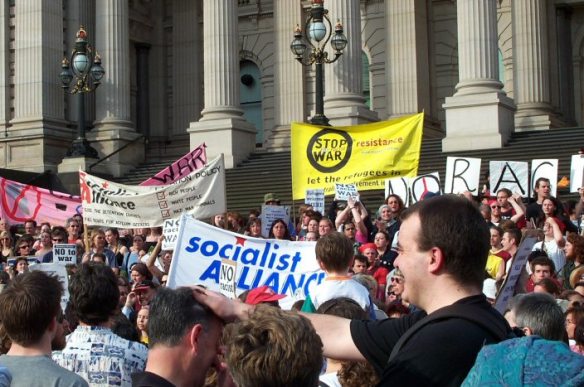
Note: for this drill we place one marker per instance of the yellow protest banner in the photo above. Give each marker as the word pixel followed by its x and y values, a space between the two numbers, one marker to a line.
pixel 365 155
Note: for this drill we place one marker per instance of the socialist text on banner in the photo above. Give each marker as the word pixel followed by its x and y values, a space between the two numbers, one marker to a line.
pixel 288 267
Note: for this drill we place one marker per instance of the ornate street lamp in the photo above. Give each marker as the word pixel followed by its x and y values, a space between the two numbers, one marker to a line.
pixel 84 67
pixel 317 37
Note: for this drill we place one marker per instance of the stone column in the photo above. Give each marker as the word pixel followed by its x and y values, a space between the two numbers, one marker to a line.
pixel 113 127
pixel 408 78
pixel 222 125
pixel 344 100
pixel 38 131
pixel 479 115
pixel 4 66
pixel 289 100
pixel 532 66
pixel 186 78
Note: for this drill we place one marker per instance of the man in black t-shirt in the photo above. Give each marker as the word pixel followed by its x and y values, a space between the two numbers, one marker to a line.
pixel 443 246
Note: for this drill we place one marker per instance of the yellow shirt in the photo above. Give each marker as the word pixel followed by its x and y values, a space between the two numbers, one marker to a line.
pixel 493 264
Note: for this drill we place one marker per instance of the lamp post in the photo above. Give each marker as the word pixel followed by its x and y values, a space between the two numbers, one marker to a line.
pixel 317 37
pixel 84 67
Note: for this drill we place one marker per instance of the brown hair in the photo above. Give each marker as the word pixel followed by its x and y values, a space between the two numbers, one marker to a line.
pixel 578 242
pixel 455 226
pixel 335 251
pixel 28 305
pixel 264 349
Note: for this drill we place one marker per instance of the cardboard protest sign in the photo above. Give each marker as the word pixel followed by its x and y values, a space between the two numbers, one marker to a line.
pixel 577 173
pixel 424 184
pixel 315 198
pixel 399 186
pixel 187 164
pixel 201 194
pixel 270 214
pixel 65 254
pixel 170 229
pixel 56 269
pixel 365 155
pixel 512 175
pixel 462 174
pixel 227 279
pixel 547 168
pixel 21 202
pixel 517 265
pixel 346 191
pixel 288 267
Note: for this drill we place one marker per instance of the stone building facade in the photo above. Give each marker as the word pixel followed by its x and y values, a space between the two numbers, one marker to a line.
pixel 183 72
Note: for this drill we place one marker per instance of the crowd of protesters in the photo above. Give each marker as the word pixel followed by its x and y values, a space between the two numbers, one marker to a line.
pixel 394 308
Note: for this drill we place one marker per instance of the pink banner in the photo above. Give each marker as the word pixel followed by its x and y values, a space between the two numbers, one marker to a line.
pixel 192 161
pixel 21 202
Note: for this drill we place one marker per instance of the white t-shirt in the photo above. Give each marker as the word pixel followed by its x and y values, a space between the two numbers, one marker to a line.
pixel 335 288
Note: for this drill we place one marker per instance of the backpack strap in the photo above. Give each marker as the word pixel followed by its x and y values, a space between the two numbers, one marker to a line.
pixel 473 314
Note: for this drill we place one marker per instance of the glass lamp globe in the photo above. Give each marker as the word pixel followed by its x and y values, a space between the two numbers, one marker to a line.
pixel 81 63
pixel 317 31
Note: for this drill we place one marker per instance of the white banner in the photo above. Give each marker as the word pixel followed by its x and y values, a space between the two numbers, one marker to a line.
pixel 201 194
pixel 512 175
pixel 60 271
pixel 288 267
pixel 462 174
pixel 577 173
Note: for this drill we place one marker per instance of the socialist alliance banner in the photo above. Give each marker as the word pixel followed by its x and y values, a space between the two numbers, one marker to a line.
pixel 365 155
pixel 288 267
pixel 187 164
pixel 106 203
pixel 21 202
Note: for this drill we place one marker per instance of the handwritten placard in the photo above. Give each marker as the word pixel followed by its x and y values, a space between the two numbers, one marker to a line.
pixel 346 191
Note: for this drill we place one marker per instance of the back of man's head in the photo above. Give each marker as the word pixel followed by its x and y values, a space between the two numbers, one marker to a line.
pixel 456 226
pixel 94 293
pixel 273 348
pixel 335 251
pixel 28 305
pixel 539 314
pixel 172 314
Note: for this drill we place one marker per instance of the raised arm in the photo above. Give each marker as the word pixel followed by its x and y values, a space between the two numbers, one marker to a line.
pixel 515 201
pixel 558 237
